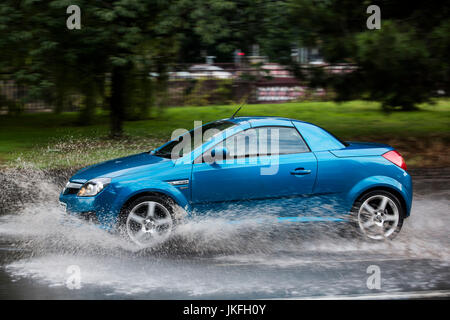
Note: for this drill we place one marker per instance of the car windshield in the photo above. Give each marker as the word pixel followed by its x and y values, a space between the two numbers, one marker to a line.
pixel 186 143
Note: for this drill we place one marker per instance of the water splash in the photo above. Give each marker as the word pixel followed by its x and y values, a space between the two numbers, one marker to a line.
pixel 199 259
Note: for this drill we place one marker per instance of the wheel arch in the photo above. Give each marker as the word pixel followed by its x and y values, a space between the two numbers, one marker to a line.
pixel 387 189
pixel 143 194
pixel 381 183
pixel 125 197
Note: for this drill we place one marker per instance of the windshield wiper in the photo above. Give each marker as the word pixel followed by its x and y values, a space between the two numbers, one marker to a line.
pixel 163 154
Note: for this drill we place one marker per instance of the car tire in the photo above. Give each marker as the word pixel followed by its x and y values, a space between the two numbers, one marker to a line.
pixel 147 220
pixel 378 215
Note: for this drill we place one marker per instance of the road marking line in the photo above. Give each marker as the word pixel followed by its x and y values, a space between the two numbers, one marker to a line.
pixel 381 296
pixel 318 261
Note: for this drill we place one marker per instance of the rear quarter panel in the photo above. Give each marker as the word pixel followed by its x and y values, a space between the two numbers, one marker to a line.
pixel 346 178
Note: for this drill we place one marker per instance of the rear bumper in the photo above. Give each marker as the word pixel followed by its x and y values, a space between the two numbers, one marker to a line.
pixel 408 195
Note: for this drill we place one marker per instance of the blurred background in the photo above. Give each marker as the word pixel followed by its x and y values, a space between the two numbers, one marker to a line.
pixel 138 69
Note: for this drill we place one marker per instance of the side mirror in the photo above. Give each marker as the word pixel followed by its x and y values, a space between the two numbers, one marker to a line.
pixel 217 154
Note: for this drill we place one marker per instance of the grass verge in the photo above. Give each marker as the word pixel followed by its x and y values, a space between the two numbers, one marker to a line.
pixel 55 141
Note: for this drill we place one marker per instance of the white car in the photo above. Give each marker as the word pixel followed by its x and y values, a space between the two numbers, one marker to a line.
pixel 181 75
pixel 209 71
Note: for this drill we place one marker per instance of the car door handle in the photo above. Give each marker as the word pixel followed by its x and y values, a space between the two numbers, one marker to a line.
pixel 300 172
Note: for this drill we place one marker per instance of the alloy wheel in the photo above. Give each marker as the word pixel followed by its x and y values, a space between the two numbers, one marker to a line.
pixel 378 217
pixel 148 223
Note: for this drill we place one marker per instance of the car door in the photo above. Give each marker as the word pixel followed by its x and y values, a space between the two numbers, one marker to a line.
pixel 269 170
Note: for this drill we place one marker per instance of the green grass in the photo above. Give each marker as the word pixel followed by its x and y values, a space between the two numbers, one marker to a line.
pixel 48 140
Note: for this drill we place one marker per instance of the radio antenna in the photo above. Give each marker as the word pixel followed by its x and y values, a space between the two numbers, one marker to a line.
pixel 240 107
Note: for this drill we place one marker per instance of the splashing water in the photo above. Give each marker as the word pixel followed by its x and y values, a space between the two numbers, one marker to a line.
pixel 206 256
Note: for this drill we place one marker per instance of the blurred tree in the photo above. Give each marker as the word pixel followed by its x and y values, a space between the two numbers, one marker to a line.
pixel 201 26
pixel 218 27
pixel 402 64
pixel 122 54
pixel 119 38
pixel 277 35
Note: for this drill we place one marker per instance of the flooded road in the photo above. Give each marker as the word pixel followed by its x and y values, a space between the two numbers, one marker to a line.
pixel 213 259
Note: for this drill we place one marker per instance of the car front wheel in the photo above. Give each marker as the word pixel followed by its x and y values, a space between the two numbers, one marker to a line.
pixel 379 215
pixel 147 221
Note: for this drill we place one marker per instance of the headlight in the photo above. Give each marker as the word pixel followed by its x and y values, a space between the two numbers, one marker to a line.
pixel 93 187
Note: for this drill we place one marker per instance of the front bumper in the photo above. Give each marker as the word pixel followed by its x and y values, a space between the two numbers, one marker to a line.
pixel 96 209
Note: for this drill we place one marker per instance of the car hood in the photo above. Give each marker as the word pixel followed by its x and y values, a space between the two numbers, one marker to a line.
pixel 121 166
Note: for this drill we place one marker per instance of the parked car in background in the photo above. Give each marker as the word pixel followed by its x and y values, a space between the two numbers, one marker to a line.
pixel 209 71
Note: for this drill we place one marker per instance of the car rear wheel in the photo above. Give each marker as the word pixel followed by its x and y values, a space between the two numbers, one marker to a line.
pixel 378 215
pixel 147 221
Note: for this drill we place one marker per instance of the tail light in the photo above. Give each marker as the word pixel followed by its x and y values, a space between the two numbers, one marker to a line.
pixel 396 158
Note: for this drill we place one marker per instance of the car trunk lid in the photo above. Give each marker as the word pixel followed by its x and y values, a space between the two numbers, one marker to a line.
pixel 362 149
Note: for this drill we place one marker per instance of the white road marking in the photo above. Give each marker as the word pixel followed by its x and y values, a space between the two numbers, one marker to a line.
pixel 316 261
pixel 379 296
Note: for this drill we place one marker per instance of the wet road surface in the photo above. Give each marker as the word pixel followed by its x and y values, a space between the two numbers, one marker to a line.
pixel 211 259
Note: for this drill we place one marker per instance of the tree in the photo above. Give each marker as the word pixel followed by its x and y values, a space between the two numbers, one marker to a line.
pixel 400 65
pixel 116 39
pixel 218 27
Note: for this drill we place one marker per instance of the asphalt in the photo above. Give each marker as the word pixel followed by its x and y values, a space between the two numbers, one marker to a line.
pixel 215 260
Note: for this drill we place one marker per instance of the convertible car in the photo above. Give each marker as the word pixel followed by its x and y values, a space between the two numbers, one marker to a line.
pixel 289 170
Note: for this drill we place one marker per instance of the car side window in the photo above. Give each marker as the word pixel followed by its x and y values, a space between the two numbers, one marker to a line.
pixel 242 144
pixel 289 140
pixel 265 141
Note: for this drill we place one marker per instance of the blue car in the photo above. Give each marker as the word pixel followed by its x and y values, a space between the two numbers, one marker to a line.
pixel 286 169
